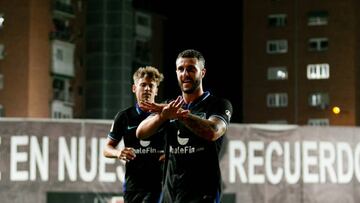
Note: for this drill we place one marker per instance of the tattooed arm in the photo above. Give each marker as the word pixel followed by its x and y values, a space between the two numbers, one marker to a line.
pixel 210 129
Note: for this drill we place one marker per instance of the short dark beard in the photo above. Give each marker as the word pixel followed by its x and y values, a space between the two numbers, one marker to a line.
pixel 196 84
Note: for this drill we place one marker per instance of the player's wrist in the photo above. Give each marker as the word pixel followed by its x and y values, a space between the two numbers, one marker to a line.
pixel 118 154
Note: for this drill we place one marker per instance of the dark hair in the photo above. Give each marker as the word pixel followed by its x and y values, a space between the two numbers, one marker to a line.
pixel 192 53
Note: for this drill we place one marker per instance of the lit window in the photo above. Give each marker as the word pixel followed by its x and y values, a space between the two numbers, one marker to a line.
pixel 318 18
pixel 277 20
pixel 318 122
pixel 277 100
pixel 276 46
pixel 318 44
pixel 277 73
pixel 2 20
pixel 318 71
pixel 319 99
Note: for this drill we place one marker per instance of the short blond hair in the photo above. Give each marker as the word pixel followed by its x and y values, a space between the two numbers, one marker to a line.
pixel 148 72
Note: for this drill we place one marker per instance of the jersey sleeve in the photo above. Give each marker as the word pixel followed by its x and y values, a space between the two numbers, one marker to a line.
pixel 223 110
pixel 117 127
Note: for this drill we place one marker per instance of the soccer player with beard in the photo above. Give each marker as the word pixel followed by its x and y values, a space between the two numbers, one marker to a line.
pixel 195 124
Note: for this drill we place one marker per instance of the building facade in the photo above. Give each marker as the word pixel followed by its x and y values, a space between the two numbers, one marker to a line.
pixel 73 58
pixel 40 42
pixel 25 80
pixel 118 40
pixel 300 60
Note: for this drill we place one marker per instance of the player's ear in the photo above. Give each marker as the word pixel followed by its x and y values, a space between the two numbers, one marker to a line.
pixel 203 72
pixel 133 88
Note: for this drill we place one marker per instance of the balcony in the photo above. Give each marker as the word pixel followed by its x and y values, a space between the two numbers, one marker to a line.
pixel 62 10
pixel 62 61
pixel 61 35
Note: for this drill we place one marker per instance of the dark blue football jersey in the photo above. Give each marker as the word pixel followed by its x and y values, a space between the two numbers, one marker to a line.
pixel 193 165
pixel 144 173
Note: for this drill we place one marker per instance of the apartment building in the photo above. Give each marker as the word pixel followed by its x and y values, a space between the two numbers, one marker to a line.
pixel 301 62
pixel 73 58
pixel 39 42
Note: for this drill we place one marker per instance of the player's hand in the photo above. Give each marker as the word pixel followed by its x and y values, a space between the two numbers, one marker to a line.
pixel 151 106
pixel 173 109
pixel 162 158
pixel 127 154
pixel 182 114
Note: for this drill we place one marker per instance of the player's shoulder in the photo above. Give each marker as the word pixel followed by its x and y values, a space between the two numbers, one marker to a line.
pixel 128 112
pixel 218 100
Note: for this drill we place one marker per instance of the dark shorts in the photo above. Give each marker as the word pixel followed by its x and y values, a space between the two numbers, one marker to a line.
pixel 141 197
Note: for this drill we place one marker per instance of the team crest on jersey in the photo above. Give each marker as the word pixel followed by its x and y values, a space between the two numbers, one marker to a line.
pixel 182 141
pixel 227 112
pixel 144 143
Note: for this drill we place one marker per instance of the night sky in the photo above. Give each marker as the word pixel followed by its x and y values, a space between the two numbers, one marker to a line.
pixel 212 29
